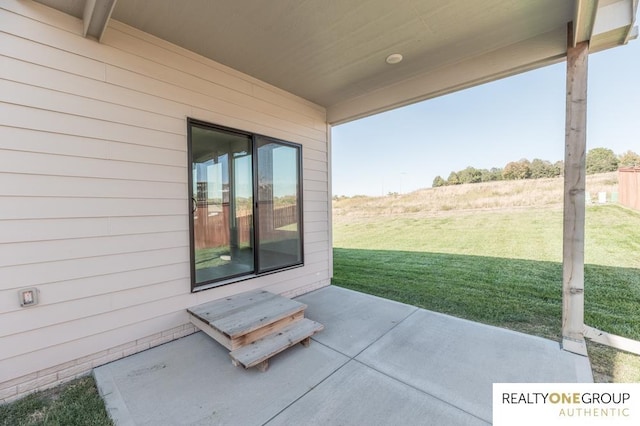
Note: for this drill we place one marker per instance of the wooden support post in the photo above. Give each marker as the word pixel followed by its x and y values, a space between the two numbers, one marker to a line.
pixel 574 199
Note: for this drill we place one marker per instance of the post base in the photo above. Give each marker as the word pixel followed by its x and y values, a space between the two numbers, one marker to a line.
pixel 575 346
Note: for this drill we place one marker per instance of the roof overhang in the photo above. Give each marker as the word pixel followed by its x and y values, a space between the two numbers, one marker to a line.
pixel 333 53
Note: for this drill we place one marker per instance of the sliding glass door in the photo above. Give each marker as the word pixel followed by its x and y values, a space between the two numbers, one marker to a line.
pixel 278 205
pixel 222 201
pixel 231 235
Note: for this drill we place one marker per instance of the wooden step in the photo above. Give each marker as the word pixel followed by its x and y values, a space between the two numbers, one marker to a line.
pixel 244 318
pixel 259 352
pixel 255 325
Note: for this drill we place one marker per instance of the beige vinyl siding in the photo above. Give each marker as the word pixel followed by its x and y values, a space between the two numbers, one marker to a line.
pixel 94 195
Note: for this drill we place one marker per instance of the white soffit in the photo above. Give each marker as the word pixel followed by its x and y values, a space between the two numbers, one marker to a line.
pixel 333 52
pixel 70 7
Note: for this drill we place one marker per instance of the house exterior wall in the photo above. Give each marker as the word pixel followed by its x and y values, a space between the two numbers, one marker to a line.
pixel 94 196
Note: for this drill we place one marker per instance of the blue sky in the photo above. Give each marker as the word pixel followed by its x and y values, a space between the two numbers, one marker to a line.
pixel 488 126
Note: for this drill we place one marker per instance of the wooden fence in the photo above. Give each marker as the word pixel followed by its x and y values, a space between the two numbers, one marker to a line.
pixel 629 187
pixel 284 216
pixel 212 229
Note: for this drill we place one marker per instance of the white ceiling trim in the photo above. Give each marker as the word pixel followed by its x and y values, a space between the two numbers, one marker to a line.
pixel 583 20
pixel 632 34
pixel 612 16
pixel 95 17
pixel 614 24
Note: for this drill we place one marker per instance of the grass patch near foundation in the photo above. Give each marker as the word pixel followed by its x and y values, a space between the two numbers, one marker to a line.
pixel 74 403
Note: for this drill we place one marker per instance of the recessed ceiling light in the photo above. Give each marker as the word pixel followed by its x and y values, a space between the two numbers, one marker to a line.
pixel 394 58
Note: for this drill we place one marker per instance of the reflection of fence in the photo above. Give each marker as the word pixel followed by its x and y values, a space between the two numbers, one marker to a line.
pixel 629 187
pixel 213 229
pixel 284 216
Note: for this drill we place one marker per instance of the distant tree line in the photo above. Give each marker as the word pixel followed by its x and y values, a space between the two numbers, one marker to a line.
pixel 599 160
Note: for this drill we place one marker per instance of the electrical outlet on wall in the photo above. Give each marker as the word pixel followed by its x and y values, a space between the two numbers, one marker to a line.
pixel 28 296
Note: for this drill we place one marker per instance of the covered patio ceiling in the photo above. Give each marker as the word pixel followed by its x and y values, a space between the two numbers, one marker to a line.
pixel 333 52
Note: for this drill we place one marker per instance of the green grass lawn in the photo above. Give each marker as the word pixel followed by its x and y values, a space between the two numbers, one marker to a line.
pixel 501 268
pixel 75 403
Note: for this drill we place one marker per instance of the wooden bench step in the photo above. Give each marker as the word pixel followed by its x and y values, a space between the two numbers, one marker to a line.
pixel 259 352
pixel 243 318
pixel 221 308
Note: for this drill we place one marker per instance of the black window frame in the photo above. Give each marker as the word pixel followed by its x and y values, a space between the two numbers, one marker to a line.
pixel 257 272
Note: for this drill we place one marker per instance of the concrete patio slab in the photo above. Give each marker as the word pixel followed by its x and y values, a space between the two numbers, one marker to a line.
pixel 377 362
pixel 352 320
pixel 458 360
pixel 191 381
pixel 357 395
